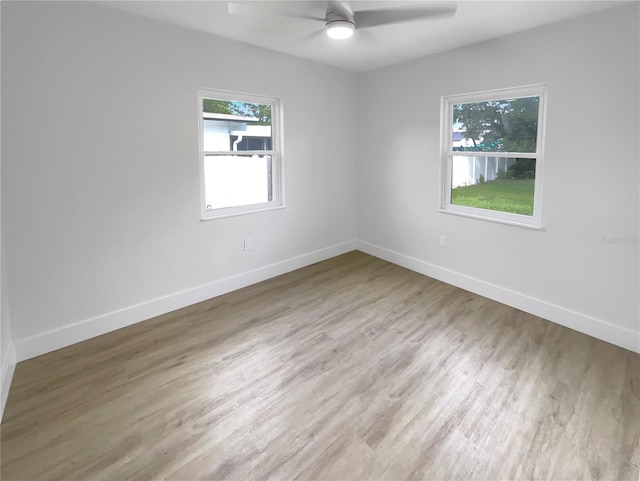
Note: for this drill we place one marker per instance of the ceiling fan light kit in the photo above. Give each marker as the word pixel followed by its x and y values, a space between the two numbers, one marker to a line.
pixel 340 29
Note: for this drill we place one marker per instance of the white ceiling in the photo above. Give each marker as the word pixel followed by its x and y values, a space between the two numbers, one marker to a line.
pixel 371 48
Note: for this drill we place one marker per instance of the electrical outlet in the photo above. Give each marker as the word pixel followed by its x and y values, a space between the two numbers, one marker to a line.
pixel 248 244
pixel 443 241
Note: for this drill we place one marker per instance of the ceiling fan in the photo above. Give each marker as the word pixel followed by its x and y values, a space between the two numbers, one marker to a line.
pixel 340 19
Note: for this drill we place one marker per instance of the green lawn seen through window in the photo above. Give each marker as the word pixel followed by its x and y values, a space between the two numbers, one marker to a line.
pixel 514 196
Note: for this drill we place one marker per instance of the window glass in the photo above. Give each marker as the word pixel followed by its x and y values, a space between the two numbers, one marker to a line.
pixel 496 125
pixel 236 180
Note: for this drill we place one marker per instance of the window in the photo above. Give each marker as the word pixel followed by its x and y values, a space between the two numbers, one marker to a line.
pixel 240 153
pixel 492 151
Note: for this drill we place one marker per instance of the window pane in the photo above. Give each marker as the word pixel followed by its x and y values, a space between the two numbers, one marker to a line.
pixel 251 143
pixel 231 126
pixel 232 180
pixel 496 125
pixel 494 183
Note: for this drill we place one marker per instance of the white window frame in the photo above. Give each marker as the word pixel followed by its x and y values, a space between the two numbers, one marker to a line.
pixel 447 154
pixel 276 153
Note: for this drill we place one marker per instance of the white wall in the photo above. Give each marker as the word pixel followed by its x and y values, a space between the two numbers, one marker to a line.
pixel 7 354
pixel 564 272
pixel 100 169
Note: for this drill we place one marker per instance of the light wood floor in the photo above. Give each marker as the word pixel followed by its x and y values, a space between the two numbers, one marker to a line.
pixel 350 369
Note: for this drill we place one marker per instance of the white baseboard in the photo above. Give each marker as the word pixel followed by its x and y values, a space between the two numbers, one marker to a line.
pixel 8 368
pixel 577 321
pixel 96 326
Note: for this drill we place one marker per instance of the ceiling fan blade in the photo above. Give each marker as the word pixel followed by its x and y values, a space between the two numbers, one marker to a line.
pixel 293 9
pixel 374 18
pixel 305 40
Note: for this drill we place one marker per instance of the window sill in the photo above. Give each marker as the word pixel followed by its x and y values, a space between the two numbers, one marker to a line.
pixel 492 219
pixel 204 218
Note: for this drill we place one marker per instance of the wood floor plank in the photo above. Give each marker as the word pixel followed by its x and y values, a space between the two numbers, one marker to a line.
pixel 349 369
